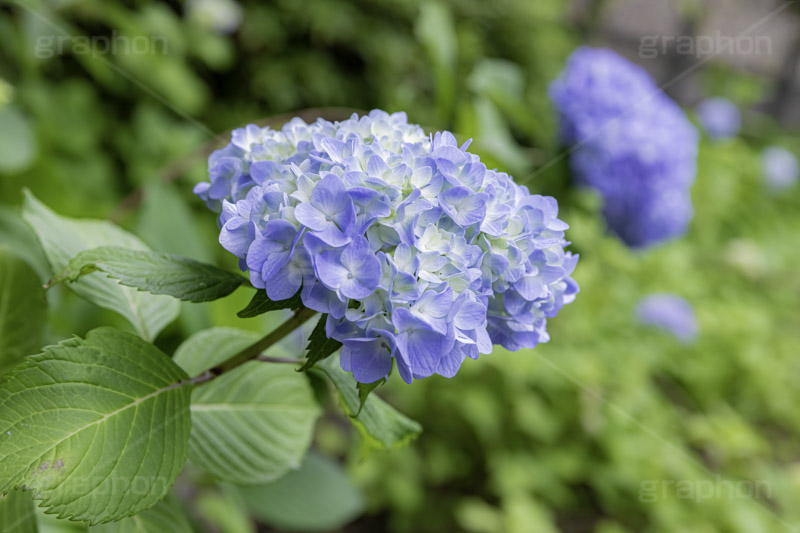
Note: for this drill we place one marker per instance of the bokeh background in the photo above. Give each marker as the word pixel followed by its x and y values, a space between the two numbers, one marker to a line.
pixel 109 109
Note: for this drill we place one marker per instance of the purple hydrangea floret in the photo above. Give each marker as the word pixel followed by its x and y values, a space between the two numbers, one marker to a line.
pixel 417 252
pixel 670 313
pixel 632 144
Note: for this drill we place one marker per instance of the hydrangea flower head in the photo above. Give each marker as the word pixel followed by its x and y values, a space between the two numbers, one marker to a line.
pixel 633 145
pixel 670 313
pixel 720 118
pixel 781 168
pixel 417 252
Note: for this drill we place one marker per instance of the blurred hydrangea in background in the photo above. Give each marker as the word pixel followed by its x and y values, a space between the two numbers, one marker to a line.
pixel 224 16
pixel 415 250
pixel 632 144
pixel 670 313
pixel 781 168
pixel 719 117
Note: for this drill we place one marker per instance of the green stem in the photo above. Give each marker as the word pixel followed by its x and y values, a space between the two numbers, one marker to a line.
pixel 255 350
pixel 289 360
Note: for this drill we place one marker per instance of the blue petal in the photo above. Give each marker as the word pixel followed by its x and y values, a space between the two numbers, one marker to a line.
pixel 234 236
pixel 330 212
pixel 463 205
pixel 330 270
pixel 314 244
pixel 376 166
pixel 334 148
pixel 317 297
pixel 360 261
pixel 451 362
pixel 423 350
pixel 264 171
pixel 531 287
pixel 333 236
pixel 288 280
pixel 273 248
pixel 469 316
pixel 330 195
pixel 370 359
pixel 311 217
pixel 449 153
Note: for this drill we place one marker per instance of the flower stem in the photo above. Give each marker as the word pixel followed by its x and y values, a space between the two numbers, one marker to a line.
pixel 289 360
pixel 254 350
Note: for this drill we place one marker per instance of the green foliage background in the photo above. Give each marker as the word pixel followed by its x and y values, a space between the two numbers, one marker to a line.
pixel 595 431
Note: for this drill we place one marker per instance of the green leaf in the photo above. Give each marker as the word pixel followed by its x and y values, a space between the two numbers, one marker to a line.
pixel 378 421
pixel 224 511
pixel 23 310
pixel 364 389
pixel 261 304
pixel 208 348
pixel 319 345
pixel 318 497
pixel 496 138
pixel 17 141
pixel 63 238
pixel 17 235
pixel 50 524
pixel 97 428
pixel 166 516
pixel 16 513
pixel 165 205
pixel 436 32
pixel 154 272
pixel 252 424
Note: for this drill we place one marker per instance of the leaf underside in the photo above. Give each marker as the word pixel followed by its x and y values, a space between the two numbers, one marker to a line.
pixel 253 424
pixel 378 421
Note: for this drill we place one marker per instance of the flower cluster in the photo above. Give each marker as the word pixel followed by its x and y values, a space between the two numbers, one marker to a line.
pixel 670 313
pixel 415 250
pixel 632 144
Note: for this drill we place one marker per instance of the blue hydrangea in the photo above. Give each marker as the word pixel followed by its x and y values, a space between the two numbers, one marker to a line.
pixel 719 117
pixel 781 168
pixel 670 313
pixel 632 144
pixel 416 251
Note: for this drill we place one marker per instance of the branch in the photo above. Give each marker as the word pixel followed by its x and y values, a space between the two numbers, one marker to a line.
pixel 255 350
